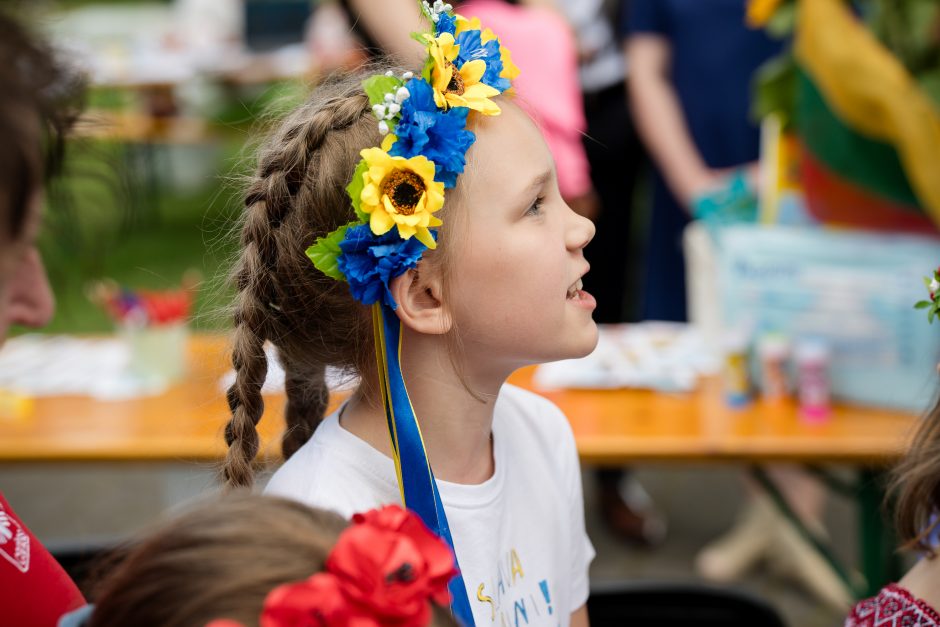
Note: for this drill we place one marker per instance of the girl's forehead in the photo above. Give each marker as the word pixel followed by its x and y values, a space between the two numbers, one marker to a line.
pixel 508 145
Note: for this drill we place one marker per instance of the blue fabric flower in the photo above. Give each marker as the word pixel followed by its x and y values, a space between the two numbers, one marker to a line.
pixel 370 262
pixel 472 48
pixel 425 130
pixel 446 23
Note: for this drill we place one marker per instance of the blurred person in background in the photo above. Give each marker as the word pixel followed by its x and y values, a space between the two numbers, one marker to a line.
pixel 691 65
pixel 691 68
pixel 38 103
pixel 616 157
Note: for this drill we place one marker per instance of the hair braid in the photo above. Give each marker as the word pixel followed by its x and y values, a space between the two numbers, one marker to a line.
pixel 307 400
pixel 244 396
pixel 297 195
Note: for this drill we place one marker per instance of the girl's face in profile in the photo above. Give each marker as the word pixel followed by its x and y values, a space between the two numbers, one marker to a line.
pixel 516 294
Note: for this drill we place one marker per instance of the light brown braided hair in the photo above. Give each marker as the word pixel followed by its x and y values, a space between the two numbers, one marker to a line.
pixel 297 195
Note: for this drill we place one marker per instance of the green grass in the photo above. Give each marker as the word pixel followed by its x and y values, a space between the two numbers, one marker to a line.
pixel 106 220
pixel 120 211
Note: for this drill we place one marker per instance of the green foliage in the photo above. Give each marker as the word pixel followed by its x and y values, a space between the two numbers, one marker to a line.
pixel 354 189
pixel 783 21
pixel 118 213
pixel 326 251
pixel 910 29
pixel 422 38
pixel 377 86
pixel 933 305
pixel 930 82
pixel 777 87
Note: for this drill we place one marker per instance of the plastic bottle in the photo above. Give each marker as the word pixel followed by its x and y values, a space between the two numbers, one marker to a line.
pixel 737 379
pixel 773 351
pixel 812 358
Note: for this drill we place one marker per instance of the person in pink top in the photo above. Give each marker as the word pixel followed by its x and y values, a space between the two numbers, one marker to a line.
pixel 544 48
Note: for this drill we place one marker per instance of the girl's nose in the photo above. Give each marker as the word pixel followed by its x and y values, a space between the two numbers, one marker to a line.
pixel 30 299
pixel 580 231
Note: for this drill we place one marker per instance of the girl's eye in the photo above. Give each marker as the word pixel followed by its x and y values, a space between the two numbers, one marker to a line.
pixel 536 207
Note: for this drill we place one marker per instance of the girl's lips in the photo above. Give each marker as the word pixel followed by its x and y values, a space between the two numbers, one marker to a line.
pixel 584 300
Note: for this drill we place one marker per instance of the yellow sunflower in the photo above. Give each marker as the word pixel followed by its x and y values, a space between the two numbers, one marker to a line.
pixel 401 192
pixel 458 87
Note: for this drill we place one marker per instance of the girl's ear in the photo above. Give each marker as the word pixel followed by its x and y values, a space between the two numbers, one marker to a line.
pixel 420 307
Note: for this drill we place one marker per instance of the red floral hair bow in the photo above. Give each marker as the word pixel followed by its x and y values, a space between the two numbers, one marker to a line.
pixel 384 570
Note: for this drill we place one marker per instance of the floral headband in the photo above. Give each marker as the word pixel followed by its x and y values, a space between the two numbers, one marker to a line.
pixel 932 283
pixel 398 187
pixel 385 569
pixel 396 190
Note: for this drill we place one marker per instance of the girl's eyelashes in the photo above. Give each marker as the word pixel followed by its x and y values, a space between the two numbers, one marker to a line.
pixel 536 207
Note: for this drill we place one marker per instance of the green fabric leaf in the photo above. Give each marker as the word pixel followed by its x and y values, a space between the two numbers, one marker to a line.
pixel 325 252
pixel 426 70
pixel 923 304
pixel 354 189
pixel 377 86
pixel 421 38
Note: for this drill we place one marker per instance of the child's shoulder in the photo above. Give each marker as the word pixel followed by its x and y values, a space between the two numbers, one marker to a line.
pixel 336 471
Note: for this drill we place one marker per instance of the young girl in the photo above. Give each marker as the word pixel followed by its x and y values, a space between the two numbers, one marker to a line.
pixel 915 600
pixel 498 287
pixel 249 559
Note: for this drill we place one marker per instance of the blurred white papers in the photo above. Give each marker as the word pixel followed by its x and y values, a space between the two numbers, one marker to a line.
pixel 59 365
pixel 662 356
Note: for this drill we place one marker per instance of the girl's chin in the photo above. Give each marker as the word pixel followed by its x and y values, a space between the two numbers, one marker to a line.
pixel 586 342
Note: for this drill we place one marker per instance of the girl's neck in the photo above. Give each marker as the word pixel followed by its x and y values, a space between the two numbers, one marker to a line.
pixel 456 425
pixel 923 581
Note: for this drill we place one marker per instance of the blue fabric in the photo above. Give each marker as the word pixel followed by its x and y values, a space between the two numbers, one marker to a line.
pixel 446 23
pixel 441 136
pixel 370 262
pixel 419 488
pixel 472 48
pixel 713 58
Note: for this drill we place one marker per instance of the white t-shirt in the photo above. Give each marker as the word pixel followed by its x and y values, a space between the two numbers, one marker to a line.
pixel 519 536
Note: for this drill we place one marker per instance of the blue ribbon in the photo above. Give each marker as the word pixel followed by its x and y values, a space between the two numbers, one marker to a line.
pixel 415 479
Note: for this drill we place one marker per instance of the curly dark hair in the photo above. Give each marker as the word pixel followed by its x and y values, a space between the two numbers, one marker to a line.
pixel 40 98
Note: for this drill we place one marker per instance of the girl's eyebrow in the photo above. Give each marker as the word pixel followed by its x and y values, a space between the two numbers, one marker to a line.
pixel 536 183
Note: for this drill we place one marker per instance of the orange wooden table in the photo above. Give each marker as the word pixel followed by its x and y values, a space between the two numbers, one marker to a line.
pixel 610 426
pixel 185 424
